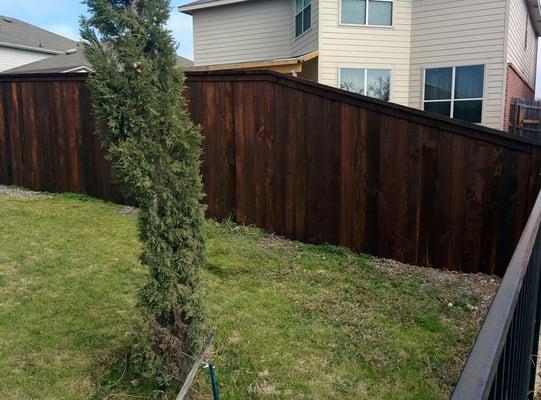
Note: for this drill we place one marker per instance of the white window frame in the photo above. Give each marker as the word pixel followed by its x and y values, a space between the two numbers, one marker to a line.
pixel 366 69
pixel 453 82
pixel 303 10
pixel 367 12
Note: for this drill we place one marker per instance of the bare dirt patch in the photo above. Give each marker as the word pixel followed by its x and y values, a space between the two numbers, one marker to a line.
pixel 481 286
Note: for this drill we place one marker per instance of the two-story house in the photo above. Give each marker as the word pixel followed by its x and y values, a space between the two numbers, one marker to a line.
pixel 464 59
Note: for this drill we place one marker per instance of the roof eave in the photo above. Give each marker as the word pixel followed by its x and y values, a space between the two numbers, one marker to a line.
pixel 190 8
pixel 79 69
pixel 30 48
pixel 291 61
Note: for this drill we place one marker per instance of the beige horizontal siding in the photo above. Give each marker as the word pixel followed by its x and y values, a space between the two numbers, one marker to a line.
pixel 425 34
pixel 523 58
pixel 344 46
pixel 250 31
pixel 12 58
pixel 461 32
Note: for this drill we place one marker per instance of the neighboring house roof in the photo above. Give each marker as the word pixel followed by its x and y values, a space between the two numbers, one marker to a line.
pixel 70 62
pixel 66 54
pixel 184 62
pixel 18 34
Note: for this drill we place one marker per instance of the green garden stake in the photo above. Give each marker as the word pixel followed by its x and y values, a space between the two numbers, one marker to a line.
pixel 214 382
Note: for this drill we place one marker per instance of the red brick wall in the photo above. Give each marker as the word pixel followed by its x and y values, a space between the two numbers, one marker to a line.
pixel 516 87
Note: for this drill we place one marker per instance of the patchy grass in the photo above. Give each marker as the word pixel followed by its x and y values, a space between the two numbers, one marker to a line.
pixel 293 321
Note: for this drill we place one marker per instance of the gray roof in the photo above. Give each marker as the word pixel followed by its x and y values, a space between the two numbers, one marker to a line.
pixel 54 63
pixel 66 62
pixel 184 62
pixel 19 33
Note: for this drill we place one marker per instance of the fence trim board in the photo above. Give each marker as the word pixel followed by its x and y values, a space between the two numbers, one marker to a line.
pixel 44 77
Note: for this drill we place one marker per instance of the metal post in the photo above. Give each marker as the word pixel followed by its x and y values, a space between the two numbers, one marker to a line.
pixel 191 375
pixel 214 383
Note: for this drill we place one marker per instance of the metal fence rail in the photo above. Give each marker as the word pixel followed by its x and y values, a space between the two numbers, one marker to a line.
pixel 503 359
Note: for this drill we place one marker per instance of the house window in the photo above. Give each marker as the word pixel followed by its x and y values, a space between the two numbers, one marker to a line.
pixel 367 12
pixel 303 16
pixel 369 82
pixel 455 92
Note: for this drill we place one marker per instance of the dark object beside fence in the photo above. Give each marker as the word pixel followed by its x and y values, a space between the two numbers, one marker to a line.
pixel 306 161
pixel 525 119
pixel 502 363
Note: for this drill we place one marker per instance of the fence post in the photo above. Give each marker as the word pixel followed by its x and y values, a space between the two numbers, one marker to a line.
pixel 214 382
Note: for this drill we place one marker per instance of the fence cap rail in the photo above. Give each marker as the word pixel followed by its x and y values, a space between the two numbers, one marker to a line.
pixel 43 76
pixel 412 114
pixel 437 121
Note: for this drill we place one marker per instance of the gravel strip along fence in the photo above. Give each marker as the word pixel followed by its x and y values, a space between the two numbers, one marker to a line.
pixel 21 193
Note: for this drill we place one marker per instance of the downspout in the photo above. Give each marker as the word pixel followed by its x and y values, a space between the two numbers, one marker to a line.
pixel 504 61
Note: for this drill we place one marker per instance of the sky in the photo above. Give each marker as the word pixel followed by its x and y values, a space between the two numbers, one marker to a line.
pixel 62 17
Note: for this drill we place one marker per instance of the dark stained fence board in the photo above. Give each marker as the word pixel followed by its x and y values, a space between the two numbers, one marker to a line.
pixel 303 160
pixel 47 139
pixel 413 192
pixel 279 161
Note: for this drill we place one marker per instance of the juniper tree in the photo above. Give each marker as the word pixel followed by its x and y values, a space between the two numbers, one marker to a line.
pixel 155 152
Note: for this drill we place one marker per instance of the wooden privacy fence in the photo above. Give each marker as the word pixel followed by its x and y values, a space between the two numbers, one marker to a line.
pixel 320 165
pixel 525 118
pixel 47 139
pixel 305 161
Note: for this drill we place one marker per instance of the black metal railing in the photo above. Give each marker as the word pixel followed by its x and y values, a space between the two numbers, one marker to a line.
pixel 502 362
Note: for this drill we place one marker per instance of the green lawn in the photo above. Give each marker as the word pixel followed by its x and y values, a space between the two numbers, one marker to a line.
pixel 292 321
